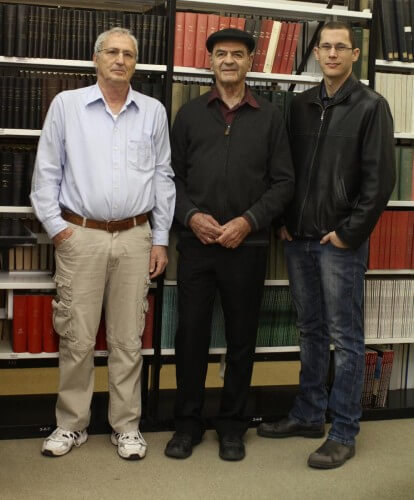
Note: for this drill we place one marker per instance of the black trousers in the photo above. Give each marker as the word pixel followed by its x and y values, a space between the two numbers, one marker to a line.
pixel 239 276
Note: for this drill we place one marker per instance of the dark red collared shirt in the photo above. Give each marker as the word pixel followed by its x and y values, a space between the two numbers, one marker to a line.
pixel 230 114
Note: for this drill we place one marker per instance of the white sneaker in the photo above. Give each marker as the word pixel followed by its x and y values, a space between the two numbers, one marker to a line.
pixel 131 445
pixel 61 442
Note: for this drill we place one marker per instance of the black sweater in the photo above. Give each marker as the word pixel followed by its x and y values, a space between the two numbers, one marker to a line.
pixel 244 169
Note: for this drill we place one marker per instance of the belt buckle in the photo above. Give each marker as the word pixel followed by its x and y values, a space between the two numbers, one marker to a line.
pixel 108 226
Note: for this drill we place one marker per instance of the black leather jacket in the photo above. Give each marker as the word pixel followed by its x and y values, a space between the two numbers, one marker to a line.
pixel 344 162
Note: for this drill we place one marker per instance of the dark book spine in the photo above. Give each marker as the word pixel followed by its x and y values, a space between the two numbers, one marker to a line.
pixel 10 102
pixel 399 19
pixel 408 31
pixel 111 19
pixel 68 34
pixel 55 41
pixel 19 158
pixel 62 34
pixel 17 103
pixel 119 19
pixel 49 33
pixel 105 20
pixel 85 33
pixel 2 31
pixel 77 34
pixel 91 35
pixel 158 40
pixel 3 100
pixel 98 23
pixel 21 30
pixel 138 34
pixel 42 33
pixel 31 30
pixel 151 39
pixel 9 26
pixel 38 121
pixel 6 177
pixel 32 103
pixel 25 103
pixel 146 21
pixel 164 41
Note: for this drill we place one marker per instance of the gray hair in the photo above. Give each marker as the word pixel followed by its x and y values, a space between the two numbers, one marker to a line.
pixel 114 31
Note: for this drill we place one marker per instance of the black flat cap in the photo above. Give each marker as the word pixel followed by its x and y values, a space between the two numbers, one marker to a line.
pixel 230 34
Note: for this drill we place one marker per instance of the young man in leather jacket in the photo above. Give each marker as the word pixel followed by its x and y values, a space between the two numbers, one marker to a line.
pixel 341 135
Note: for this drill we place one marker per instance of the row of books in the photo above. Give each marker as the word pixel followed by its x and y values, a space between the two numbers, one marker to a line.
pixel 389 308
pixel 397 25
pixel 398 90
pixel 62 33
pixel 25 98
pixel 33 331
pixel 185 91
pixel 402 375
pixel 277 325
pixel 16 169
pixel 378 369
pixel 391 242
pixel 404 164
pixel 276 41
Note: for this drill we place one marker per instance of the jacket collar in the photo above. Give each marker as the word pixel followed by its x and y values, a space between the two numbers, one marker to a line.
pixel 347 88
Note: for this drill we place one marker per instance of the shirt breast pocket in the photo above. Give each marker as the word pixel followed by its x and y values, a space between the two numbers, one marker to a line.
pixel 140 154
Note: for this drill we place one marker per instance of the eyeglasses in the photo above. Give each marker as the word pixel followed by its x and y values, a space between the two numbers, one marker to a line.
pixel 114 53
pixel 339 47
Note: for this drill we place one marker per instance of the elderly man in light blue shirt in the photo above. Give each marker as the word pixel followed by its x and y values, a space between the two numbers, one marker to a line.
pixel 103 190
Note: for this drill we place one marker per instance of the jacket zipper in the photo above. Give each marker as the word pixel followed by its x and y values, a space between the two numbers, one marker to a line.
pixel 311 167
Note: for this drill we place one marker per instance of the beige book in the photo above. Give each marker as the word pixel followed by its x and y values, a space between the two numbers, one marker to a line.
pixel 365 54
pixel 27 258
pixel 35 258
pixel 11 259
pixel 18 258
pixel 204 89
pixel 271 50
pixel 396 88
pixel 43 257
pixel 176 99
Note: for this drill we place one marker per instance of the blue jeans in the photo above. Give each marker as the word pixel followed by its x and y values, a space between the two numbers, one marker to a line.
pixel 327 286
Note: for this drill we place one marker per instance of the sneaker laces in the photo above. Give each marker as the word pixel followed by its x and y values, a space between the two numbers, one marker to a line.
pixel 134 437
pixel 62 435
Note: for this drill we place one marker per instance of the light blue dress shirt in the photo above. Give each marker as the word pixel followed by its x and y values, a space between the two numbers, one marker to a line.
pixel 101 166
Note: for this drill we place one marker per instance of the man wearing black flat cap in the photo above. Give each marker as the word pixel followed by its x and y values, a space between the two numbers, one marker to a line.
pixel 233 170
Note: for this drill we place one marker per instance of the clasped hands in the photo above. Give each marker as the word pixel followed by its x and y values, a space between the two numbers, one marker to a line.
pixel 209 231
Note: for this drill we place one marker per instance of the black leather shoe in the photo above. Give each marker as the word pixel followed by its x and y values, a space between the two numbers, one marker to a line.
pixel 231 447
pixel 330 455
pixel 287 428
pixel 180 445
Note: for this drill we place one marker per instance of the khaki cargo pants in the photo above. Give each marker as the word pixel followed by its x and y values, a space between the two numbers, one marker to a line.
pixel 95 268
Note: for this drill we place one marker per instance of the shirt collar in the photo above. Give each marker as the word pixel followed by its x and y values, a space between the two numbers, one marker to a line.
pixel 248 98
pixel 94 93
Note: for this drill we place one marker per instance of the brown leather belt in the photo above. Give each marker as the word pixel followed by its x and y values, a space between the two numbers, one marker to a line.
pixel 111 226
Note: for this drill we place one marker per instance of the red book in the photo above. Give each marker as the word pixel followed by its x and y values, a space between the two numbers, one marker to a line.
pixel 259 45
pixel 200 43
pixel 374 245
pixel 409 253
pixel 287 48
pixel 179 39
pixel 224 23
pixel 20 323
pixel 190 27
pixel 233 22
pixel 149 324
pixel 386 240
pixel 100 342
pixel 34 323
pixel 241 23
pixel 293 47
pixel 280 47
pixel 212 26
pixel 50 337
pixel 268 25
pixel 400 242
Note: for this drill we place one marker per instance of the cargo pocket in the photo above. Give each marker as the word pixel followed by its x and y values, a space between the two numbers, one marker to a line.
pixel 143 308
pixel 62 314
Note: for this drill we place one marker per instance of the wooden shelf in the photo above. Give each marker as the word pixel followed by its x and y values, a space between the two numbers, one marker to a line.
pixel 380 63
pixel 70 64
pixel 16 210
pixel 403 135
pixel 287 9
pixel 19 132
